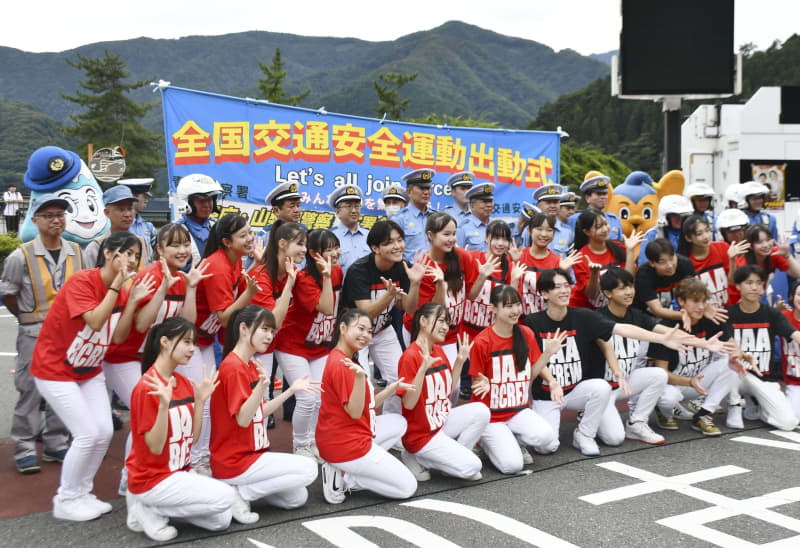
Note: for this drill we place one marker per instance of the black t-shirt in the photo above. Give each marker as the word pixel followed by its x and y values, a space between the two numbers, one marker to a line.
pixel 694 360
pixel 581 358
pixel 55 254
pixel 649 285
pixel 755 334
pixel 363 283
pixel 626 349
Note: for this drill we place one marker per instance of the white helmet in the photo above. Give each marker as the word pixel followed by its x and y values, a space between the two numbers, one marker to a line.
pixel 732 219
pixel 699 189
pixel 752 188
pixel 734 193
pixel 673 204
pixel 191 185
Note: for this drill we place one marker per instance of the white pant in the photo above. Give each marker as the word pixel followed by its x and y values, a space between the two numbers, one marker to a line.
pixel 85 410
pixel 379 472
pixel 646 384
pixel 197 499
pixel 203 358
pixel 775 407
pixel 389 429
pixel 450 450
pixel 590 396
pixel 793 395
pixel 279 479
pixel 501 440
pixel 306 411
pixel 385 351
pixel 121 378
pixel 718 380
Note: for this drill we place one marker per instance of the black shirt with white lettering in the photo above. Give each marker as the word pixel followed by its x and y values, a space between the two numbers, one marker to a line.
pixel 363 283
pixel 755 334
pixel 626 348
pixel 581 358
pixel 691 362
pixel 649 285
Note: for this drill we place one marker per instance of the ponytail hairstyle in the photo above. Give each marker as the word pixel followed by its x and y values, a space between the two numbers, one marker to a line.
pixel 586 221
pixel 171 233
pixel 432 310
pixel 173 328
pixel 225 228
pixel 499 230
pixel 319 241
pixel 253 316
pixel 281 230
pixel 347 316
pixel 454 275
pixel 689 228
pixel 120 242
pixel 506 295
pixel 752 234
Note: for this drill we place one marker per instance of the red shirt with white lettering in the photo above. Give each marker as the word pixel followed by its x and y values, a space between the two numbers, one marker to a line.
pixel 215 294
pixel 146 469
pixel 233 448
pixel 776 262
pixel 478 313
pixel 67 348
pixel 269 292
pixel 433 406
pixel 713 271
pixel 578 299
pixel 510 389
pixel 340 438
pixel 454 303
pixel 791 353
pixel 132 348
pixel 532 301
pixel 305 331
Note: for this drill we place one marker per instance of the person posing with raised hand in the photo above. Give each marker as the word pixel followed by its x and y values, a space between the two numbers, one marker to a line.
pixel 84 318
pixel 791 352
pixel 166 418
pixel 439 436
pixel 379 284
pixel 503 361
pixel 352 440
pixel 240 454
pixel 600 254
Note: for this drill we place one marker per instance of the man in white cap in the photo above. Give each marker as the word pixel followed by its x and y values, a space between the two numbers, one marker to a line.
pixel 140 188
pixel 200 194
pixel 413 217
pixel 459 183
pixel 472 232
pixel 519 228
pixel 548 198
pixel 118 201
pixel 346 203
pixel 755 195
pixel 569 202
pixel 394 199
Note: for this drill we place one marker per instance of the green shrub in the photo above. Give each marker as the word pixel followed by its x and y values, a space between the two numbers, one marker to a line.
pixel 8 243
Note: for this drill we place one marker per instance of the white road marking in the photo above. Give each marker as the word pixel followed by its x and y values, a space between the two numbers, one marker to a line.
pixel 9 354
pixel 338 531
pixel 259 544
pixel 793 436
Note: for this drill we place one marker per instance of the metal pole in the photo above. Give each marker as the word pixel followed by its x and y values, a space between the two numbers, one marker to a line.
pixel 672 133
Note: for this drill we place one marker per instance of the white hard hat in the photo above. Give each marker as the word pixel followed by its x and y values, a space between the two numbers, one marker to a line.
pixel 698 189
pixel 191 185
pixel 734 193
pixel 752 188
pixel 732 218
pixel 673 204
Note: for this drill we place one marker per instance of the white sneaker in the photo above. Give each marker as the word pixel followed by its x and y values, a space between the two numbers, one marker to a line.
pixel 478 450
pixel 122 490
pixel 203 467
pixel 102 507
pixel 332 484
pixel 641 431
pixel 241 510
pixel 527 458
pixel 752 411
pixel 77 509
pixel 305 451
pixel 156 527
pixel 583 443
pixel 734 418
pixel 476 477
pixel 682 414
pixel 420 473
pixel 131 521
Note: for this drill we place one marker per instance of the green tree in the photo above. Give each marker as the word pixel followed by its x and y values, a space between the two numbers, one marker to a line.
pixel 389 101
pixel 271 86
pixel 111 117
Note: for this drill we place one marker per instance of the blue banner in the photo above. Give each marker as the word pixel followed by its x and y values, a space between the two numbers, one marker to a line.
pixel 250 145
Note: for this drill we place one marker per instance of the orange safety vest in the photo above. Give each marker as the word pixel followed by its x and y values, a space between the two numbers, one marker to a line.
pixel 42 283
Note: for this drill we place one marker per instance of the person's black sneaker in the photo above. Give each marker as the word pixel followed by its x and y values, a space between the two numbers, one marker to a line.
pixel 270 422
pixel 116 418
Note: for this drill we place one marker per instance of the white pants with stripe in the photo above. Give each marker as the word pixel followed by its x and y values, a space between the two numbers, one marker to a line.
pixel 385 350
pixel 718 380
pixel 501 440
pixel 306 411
pixel 646 385
pixel 279 479
pixel 203 358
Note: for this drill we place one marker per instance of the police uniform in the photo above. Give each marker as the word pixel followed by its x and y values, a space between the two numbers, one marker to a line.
pixel 562 233
pixel 199 233
pixel 462 178
pixel 519 231
pixel 283 191
pixel 411 219
pixel 472 233
pixel 113 195
pixel 393 191
pixel 353 243
pixel 593 182
pixel 33 276
pixel 764 218
pixel 140 227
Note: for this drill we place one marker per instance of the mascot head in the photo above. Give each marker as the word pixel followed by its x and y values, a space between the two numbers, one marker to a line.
pixel 62 172
pixel 635 201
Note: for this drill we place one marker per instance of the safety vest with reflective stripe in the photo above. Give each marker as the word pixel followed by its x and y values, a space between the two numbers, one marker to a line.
pixel 42 283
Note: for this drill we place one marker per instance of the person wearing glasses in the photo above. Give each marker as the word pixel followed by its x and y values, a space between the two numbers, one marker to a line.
pixel 346 203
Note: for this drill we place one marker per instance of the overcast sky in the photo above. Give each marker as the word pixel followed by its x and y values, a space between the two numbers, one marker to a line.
pixel 588 26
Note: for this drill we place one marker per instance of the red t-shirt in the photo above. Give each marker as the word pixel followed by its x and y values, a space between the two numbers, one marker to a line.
pixel 216 293
pixel 233 448
pixel 776 261
pixel 582 273
pixel 145 469
pixel 532 301
pixel 478 314
pixel 269 292
pixel 454 303
pixel 510 390
pixel 306 332
pixel 791 353
pixel 433 406
pixel 67 349
pixel 132 348
pixel 340 438
pixel 713 271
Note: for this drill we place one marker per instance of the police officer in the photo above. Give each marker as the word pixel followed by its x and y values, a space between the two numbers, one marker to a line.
pixel 413 217
pixel 701 195
pixel 346 203
pixel 569 202
pixel 140 188
pixel 472 232
pixel 755 194
pixel 32 275
pixel 199 193
pixel 548 198
pixel 394 199
pixel 595 191
pixel 459 184
pixel 118 201
pixel 519 228
pixel 285 202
